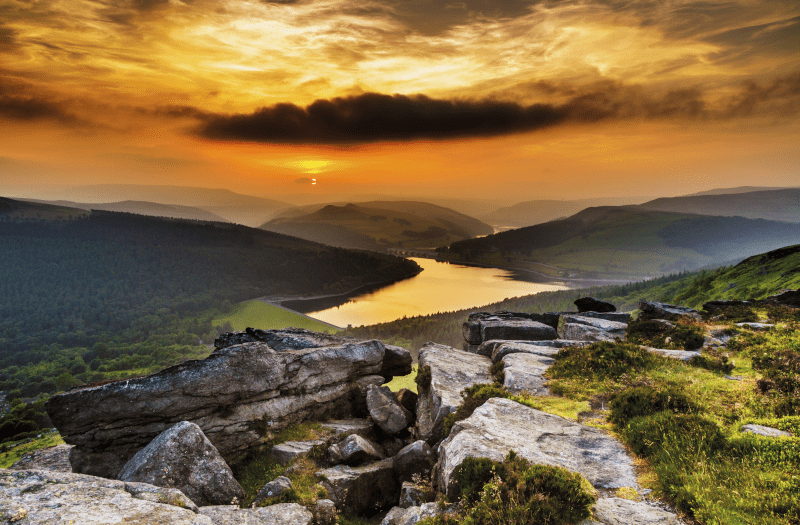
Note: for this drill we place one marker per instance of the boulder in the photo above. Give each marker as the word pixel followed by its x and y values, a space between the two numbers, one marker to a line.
pixel 680 355
pixel 761 430
pixel 408 399
pixel 273 489
pixel 413 515
pixel 502 425
pixel 236 396
pixel 183 458
pixel 396 362
pixel 505 325
pixel 356 489
pixel 346 427
pixel 655 310
pixel 280 514
pixel 393 445
pixel 619 317
pixel 354 450
pixel 590 304
pixel 786 298
pixel 619 511
pixel 324 511
pixel 613 328
pixel 362 384
pixel 50 458
pixel 416 458
pixel 525 373
pixel 62 498
pixel 411 495
pixel 393 515
pixel 285 453
pixel 451 371
pixel 584 332
pixel 498 349
pixel 386 411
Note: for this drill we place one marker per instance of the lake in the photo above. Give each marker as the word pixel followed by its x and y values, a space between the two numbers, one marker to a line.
pixel 440 287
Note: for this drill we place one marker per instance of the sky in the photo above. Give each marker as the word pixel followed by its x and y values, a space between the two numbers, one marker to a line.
pixel 502 99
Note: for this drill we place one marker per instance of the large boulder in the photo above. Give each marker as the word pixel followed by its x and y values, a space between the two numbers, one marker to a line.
pixel 451 371
pixel 61 498
pixel 280 514
pixel 613 328
pixel 356 489
pixel 396 362
pixel 386 411
pixel 498 349
pixel 354 450
pixel 50 458
pixel 524 372
pixel 590 304
pixel 584 332
pixel 237 396
pixel 183 458
pixel 416 458
pixel 483 326
pixel 502 425
pixel 655 310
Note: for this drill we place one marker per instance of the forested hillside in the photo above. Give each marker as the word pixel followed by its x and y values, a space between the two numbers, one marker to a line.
pixel 90 297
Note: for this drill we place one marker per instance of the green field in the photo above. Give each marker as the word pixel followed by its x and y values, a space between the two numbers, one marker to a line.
pixel 258 314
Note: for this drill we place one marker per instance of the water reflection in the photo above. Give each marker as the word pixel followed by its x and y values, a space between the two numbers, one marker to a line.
pixel 441 287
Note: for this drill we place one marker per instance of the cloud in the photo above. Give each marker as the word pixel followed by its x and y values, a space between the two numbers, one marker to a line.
pixel 26 108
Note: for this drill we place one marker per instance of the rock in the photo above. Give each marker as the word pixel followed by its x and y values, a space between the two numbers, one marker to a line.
pixel 354 450
pixel 717 306
pixel 786 298
pixel 619 511
pixel 324 512
pixel 761 430
pixel 498 349
pixel 396 362
pixel 756 326
pixel 411 495
pixel 393 515
pixel 584 332
pixel 347 427
pixel 681 355
pixel 362 385
pixel 285 453
pixel 280 514
pixel 273 489
pixel 156 494
pixel 451 372
pixel 734 378
pixel 502 425
pixel 235 396
pixel 283 339
pixel 504 325
pixel 407 399
pixel 392 446
pixel 416 458
pixel 654 310
pixel 590 304
pixel 525 373
pixel 472 349
pixel 183 458
pixel 62 498
pixel 356 489
pixel 615 329
pixel 619 317
pixel 386 411
pixel 415 514
pixel 50 458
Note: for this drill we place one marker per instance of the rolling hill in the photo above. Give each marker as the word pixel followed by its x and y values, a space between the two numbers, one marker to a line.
pixel 377 225
pixel 152 209
pixel 773 204
pixel 628 242
pixel 539 211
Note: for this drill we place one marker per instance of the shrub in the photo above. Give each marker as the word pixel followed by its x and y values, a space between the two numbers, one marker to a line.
pixel 423 378
pixel 683 335
pixel 714 364
pixel 497 372
pixel 603 359
pixel 693 435
pixel 646 401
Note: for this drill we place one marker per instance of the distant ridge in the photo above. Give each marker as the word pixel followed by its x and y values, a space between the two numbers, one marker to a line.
pixel 776 205
pixel 141 208
pixel 738 189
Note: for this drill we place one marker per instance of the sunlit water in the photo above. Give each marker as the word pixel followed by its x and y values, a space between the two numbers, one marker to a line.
pixel 441 287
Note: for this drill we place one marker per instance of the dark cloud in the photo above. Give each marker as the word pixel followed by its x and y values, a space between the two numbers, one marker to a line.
pixel 30 109
pixel 8 38
pixel 374 117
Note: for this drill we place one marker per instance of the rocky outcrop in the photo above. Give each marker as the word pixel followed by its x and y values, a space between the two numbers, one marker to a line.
pixel 354 450
pixel 590 304
pixel 600 329
pixel 284 339
pixel 386 411
pixel 280 514
pixel 236 395
pixel 524 372
pixel 451 371
pixel 619 317
pixel 355 489
pixel 619 511
pixel 50 458
pixel 718 306
pixel 655 310
pixel 183 458
pixel 483 326
pixel 789 298
pixel 497 350
pixel 416 458
pixel 60 498
pixel 502 425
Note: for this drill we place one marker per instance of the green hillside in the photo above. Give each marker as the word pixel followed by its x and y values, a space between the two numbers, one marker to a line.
pixel 775 204
pixel 378 225
pixel 258 314
pixel 628 242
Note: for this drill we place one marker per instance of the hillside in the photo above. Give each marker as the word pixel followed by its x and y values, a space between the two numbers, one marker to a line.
pixel 539 211
pixel 378 225
pixel 776 205
pixel 152 209
pixel 89 296
pixel 628 242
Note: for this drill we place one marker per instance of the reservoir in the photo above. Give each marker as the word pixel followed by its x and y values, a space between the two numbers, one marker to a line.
pixel 440 287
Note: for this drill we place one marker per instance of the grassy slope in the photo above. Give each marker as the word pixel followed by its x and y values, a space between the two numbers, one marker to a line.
pixel 778 205
pixel 258 314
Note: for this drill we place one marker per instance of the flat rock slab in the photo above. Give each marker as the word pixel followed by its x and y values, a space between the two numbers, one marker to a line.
pixel 761 430
pixel 620 317
pixel 280 514
pixel 516 329
pixel 234 396
pixel 619 511
pixel 756 326
pixel 355 489
pixel 346 427
pixel 50 458
pixel 502 425
pixel 451 372
pixel 612 327
pixel 502 350
pixel 681 355
pixel 59 498
pixel 285 453
pixel 525 373
pixel 655 310
pixel 584 332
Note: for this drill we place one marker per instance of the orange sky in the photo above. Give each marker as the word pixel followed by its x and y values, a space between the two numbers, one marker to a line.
pixel 508 99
